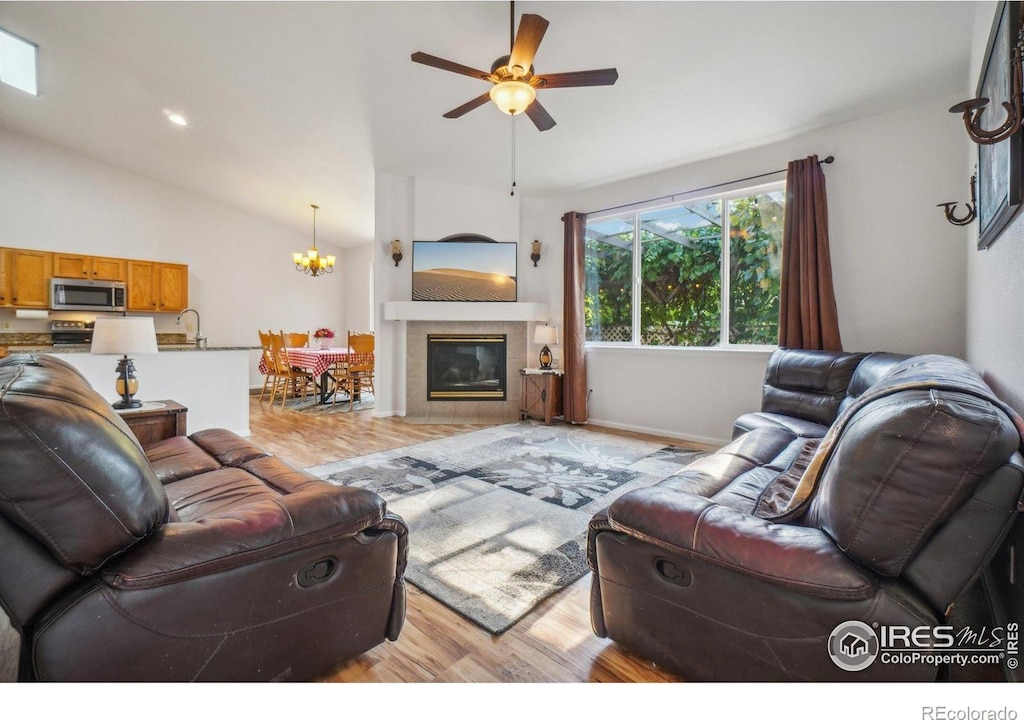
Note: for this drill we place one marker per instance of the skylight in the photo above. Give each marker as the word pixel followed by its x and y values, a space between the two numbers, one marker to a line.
pixel 18 62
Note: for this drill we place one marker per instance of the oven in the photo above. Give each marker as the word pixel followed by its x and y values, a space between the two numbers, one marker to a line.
pixel 70 332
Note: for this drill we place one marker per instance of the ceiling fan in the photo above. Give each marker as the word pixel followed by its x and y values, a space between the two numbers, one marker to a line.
pixel 515 85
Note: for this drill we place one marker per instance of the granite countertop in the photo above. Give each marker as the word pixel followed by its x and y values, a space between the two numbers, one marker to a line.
pixel 60 349
pixel 40 343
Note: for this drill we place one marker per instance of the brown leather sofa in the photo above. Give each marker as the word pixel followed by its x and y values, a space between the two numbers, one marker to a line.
pixel 870 489
pixel 195 558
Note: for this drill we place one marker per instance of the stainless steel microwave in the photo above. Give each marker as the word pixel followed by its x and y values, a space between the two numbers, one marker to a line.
pixel 96 295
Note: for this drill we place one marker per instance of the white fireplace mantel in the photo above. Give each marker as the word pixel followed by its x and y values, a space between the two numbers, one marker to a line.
pixel 467 311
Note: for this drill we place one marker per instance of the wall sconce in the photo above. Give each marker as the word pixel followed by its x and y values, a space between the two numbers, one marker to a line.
pixel 535 252
pixel 973 109
pixel 972 207
pixel 396 251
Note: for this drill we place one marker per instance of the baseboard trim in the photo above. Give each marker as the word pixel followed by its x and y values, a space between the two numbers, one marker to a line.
pixel 699 439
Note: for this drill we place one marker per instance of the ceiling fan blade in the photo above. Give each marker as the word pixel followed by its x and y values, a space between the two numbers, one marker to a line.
pixel 536 112
pixel 580 78
pixel 432 61
pixel 466 107
pixel 528 36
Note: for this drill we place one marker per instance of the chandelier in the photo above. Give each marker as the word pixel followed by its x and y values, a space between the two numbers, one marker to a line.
pixel 311 262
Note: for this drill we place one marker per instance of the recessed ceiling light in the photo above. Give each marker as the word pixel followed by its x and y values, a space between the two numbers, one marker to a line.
pixel 18 62
pixel 177 119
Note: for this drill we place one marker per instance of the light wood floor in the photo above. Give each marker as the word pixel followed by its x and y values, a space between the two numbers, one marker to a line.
pixel 554 643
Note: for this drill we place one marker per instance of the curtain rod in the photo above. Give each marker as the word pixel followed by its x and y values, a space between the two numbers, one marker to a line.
pixel 827 161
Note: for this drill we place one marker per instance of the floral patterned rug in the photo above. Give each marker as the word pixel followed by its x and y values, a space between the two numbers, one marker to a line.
pixel 498 517
pixel 311 404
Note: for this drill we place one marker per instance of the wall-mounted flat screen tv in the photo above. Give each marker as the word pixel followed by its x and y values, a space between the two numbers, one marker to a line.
pixel 464 271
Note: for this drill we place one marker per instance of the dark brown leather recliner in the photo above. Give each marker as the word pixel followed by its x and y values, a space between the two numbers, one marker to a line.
pixel 870 488
pixel 198 558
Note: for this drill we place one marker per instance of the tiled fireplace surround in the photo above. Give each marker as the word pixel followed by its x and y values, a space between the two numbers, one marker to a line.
pixel 418 408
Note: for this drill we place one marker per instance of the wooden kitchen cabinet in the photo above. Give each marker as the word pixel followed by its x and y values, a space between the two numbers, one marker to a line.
pixel 5 278
pixel 173 287
pixel 152 286
pixel 28 274
pixel 157 287
pixel 143 288
pixel 89 266
pixel 542 394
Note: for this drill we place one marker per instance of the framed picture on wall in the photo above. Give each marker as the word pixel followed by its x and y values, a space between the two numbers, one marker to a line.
pixel 464 270
pixel 999 164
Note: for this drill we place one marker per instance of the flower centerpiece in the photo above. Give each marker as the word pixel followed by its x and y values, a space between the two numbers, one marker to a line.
pixel 324 337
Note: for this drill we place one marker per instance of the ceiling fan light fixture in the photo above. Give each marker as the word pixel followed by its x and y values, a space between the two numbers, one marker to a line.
pixel 513 96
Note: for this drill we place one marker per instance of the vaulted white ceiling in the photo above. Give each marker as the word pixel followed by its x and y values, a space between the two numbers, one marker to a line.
pixel 291 103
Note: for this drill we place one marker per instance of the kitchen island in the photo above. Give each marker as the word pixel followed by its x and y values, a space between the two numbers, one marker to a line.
pixel 212 383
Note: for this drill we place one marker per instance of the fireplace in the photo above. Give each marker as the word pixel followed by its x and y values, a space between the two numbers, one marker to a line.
pixel 466 367
pixel 484 410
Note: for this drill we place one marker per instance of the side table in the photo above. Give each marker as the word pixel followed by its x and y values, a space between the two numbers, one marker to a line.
pixel 542 394
pixel 156 421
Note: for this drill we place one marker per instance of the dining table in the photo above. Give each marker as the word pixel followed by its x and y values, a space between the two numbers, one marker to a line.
pixel 319 361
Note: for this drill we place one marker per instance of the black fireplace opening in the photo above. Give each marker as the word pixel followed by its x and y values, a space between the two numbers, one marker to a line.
pixel 466 367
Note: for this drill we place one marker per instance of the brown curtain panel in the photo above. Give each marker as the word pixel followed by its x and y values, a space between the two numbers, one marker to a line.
pixel 574 358
pixel 807 310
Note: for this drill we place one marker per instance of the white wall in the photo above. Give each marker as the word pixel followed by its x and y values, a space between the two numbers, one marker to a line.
pixel 411 209
pixel 357 276
pixel 900 271
pixel 995 276
pixel 220 400
pixel 898 266
pixel 241 278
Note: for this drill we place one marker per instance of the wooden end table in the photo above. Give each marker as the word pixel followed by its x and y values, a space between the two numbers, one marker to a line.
pixel 156 420
pixel 542 394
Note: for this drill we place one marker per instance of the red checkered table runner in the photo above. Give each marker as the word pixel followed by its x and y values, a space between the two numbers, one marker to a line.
pixel 318 360
pixel 313 358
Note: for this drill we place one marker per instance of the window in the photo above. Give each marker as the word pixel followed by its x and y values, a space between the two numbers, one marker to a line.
pixel 17 62
pixel 665 277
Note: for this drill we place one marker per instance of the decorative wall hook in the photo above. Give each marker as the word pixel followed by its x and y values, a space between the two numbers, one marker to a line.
pixel 972 207
pixel 973 110
pixel 396 251
pixel 535 252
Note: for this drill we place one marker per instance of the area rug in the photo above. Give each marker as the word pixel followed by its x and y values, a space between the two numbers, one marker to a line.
pixel 498 517
pixel 311 405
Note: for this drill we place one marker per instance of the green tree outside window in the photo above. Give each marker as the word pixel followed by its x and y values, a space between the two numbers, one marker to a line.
pixel 681 278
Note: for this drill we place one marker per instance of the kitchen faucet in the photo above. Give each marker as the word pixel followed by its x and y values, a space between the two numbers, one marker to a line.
pixel 200 340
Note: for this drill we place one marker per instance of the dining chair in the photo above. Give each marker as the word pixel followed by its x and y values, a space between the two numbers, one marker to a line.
pixel 288 376
pixel 296 339
pixel 355 375
pixel 300 340
pixel 269 365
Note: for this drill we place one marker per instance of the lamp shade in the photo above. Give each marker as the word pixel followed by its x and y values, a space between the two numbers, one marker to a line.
pixel 545 335
pixel 124 336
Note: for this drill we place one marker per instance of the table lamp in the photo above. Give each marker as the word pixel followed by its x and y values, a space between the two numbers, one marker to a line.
pixel 545 335
pixel 124 336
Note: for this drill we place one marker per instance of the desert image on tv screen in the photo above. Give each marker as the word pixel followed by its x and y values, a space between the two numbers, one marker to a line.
pixel 464 271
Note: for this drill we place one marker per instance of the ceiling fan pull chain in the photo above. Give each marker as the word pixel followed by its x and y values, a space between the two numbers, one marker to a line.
pixel 513 119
